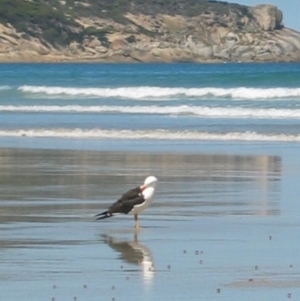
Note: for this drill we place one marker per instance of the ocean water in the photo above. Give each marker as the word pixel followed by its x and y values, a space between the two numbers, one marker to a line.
pixel 223 141
pixel 219 102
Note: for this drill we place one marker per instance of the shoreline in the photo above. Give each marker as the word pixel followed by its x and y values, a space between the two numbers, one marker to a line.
pixel 105 61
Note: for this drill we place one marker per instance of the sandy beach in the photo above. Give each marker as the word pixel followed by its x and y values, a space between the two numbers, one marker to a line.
pixel 224 224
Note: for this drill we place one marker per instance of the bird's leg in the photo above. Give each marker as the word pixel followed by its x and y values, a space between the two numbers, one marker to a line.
pixel 136 223
pixel 135 237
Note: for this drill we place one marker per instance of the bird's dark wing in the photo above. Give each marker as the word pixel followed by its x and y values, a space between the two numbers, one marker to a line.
pixel 125 205
pixel 131 194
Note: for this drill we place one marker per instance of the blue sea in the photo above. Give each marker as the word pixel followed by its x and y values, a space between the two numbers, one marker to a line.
pixel 223 141
pixel 211 102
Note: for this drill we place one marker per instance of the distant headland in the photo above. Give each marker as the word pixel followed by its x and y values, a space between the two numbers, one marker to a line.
pixel 144 31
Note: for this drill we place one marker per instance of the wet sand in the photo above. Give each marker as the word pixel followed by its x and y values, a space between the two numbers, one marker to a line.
pixel 223 226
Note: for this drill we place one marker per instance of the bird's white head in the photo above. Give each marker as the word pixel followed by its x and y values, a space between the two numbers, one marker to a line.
pixel 148 189
pixel 150 182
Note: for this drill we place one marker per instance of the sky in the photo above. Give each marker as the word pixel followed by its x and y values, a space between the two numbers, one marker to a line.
pixel 290 9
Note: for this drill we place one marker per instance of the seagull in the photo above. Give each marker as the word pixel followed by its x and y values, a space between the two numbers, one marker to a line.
pixel 134 201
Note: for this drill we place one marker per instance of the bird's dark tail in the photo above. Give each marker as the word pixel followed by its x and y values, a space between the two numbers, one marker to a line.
pixel 103 215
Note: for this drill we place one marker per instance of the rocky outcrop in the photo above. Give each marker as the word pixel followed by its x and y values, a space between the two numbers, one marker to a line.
pixel 252 34
pixel 269 17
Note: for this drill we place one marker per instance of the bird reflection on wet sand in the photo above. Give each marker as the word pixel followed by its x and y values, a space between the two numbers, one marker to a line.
pixel 133 252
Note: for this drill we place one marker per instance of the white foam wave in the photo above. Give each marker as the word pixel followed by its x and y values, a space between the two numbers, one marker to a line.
pixel 147 92
pixel 3 88
pixel 204 112
pixel 147 134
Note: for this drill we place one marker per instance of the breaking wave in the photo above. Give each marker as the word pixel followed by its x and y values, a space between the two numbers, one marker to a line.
pixel 200 111
pixel 147 92
pixel 148 134
pixel 3 88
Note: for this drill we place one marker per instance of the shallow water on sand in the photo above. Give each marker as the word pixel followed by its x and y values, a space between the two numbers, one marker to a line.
pixel 223 226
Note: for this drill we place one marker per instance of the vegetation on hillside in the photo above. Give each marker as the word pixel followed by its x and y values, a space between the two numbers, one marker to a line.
pixel 39 19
